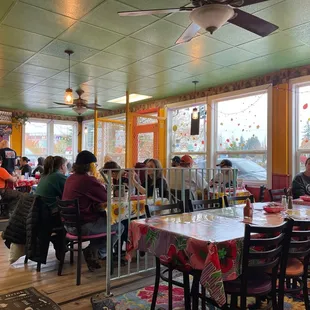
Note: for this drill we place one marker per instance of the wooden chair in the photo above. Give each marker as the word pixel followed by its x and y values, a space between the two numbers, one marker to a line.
pixel 200 205
pixel 296 269
pixel 260 267
pixel 70 214
pixel 262 190
pixel 231 200
pixel 276 194
pixel 178 196
pixel 177 208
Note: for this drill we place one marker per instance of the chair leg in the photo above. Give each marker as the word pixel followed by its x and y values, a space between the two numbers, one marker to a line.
pixel 79 264
pixel 156 286
pixel 26 260
pixel 61 264
pixel 71 247
pixel 305 290
pixel 195 292
pixel 233 302
pixel 38 267
pixel 203 298
pixel 170 303
pixel 187 298
pixel 243 302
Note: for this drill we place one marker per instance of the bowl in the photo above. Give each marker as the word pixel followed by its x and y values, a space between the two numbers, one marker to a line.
pixel 273 208
pixel 305 198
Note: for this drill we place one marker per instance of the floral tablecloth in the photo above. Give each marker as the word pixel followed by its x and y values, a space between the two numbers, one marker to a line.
pixel 28 182
pixel 201 240
pixel 301 202
pixel 121 209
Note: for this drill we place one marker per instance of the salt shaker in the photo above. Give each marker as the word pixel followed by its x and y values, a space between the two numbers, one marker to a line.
pixel 290 203
pixel 283 201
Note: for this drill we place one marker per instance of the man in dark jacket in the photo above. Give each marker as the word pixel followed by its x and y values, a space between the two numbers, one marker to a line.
pixel 301 182
pixel 8 156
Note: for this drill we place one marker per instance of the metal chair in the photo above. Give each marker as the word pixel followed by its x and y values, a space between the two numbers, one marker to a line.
pixel 177 208
pixel 230 200
pixel 70 214
pixel 276 194
pixel 200 205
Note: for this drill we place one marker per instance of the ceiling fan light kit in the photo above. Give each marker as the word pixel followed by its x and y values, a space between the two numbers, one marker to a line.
pixel 212 17
pixel 69 92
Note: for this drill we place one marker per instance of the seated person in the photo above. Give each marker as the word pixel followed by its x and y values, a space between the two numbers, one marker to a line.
pixel 24 166
pixel 8 156
pixel 193 179
pixel 301 182
pixel 91 194
pixel 53 180
pixel 176 162
pixel 224 177
pixel 155 179
pixel 39 167
pixel 5 176
pixel 119 177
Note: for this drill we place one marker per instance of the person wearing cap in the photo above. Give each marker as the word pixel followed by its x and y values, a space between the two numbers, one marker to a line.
pixel 24 166
pixel 175 162
pixel 8 156
pixel 193 179
pixel 224 177
pixel 91 194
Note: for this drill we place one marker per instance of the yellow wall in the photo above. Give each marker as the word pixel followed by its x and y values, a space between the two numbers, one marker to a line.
pixel 162 138
pixel 16 139
pixel 280 129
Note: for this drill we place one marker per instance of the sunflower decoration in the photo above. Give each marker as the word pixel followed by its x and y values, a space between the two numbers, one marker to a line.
pixel 134 207
pixel 117 209
pixel 93 170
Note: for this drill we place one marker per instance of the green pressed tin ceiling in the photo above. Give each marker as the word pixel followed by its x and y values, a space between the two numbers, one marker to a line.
pixel 112 53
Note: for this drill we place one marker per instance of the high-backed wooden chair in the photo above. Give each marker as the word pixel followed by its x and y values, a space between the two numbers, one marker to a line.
pixel 231 200
pixel 199 205
pixel 276 194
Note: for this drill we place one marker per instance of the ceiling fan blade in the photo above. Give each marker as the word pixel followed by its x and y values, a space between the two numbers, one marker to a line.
pixel 250 2
pixel 60 103
pixel 253 23
pixel 98 109
pixel 59 107
pixel 188 34
pixel 92 105
pixel 155 11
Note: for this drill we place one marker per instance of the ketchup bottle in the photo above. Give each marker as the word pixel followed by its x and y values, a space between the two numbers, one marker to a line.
pixel 248 210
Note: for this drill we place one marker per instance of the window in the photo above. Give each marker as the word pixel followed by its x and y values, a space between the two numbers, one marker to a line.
pixel 43 138
pixel 88 136
pixel 241 127
pixel 302 126
pixel 181 140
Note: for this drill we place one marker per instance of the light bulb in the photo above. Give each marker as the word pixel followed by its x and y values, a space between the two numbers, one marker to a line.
pixel 68 96
pixel 195 114
pixel 86 130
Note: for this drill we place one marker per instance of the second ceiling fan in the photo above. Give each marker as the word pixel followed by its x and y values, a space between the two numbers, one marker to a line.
pixel 212 15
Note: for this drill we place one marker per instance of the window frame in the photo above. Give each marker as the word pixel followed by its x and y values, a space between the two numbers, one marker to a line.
pixel 213 129
pixel 50 134
pixel 295 152
pixel 178 106
pixel 84 124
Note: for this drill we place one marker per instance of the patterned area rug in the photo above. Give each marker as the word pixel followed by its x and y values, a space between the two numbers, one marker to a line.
pixel 142 298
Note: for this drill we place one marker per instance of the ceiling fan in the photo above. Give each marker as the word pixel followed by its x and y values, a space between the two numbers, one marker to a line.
pixel 80 105
pixel 212 15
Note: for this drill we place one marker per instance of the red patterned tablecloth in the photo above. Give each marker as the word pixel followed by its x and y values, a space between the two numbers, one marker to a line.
pixel 210 241
pixel 29 182
pixel 301 202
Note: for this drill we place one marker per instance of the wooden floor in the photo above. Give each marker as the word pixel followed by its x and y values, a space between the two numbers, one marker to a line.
pixel 62 289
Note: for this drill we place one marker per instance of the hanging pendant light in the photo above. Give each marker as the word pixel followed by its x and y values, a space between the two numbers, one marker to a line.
pixel 69 92
pixel 195 113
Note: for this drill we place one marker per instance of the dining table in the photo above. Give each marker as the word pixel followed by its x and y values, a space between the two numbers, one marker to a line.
pixel 210 241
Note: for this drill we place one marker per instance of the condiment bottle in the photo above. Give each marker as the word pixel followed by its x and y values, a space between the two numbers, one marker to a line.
pixel 290 203
pixel 248 210
pixel 284 202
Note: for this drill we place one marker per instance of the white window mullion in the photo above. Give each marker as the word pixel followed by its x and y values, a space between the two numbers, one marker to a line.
pixel 50 140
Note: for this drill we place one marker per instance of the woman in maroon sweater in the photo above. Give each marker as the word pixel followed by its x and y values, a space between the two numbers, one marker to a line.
pixel 91 194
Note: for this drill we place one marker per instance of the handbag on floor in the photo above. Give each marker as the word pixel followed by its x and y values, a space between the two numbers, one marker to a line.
pixel 101 302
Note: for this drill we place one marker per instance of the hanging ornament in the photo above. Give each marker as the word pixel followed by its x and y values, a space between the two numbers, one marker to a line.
pixel 257 126
pixel 309 119
pixel 242 145
pixel 250 126
pixel 227 140
pixel 306 140
pixel 221 124
pixel 242 129
pixel 238 124
pixel 221 144
pixel 305 106
pixel 195 144
pixel 237 139
pixel 175 128
pixel 202 142
pixel 231 119
pixel 231 145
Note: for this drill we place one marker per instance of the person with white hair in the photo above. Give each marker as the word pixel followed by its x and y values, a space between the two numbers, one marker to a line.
pixel 8 156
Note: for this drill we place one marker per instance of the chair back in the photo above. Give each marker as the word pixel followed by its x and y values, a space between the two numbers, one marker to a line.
pixel 276 194
pixel 231 200
pixel 200 205
pixel 178 194
pixel 176 208
pixel 70 213
pixel 264 248
pixel 262 190
pixel 300 240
